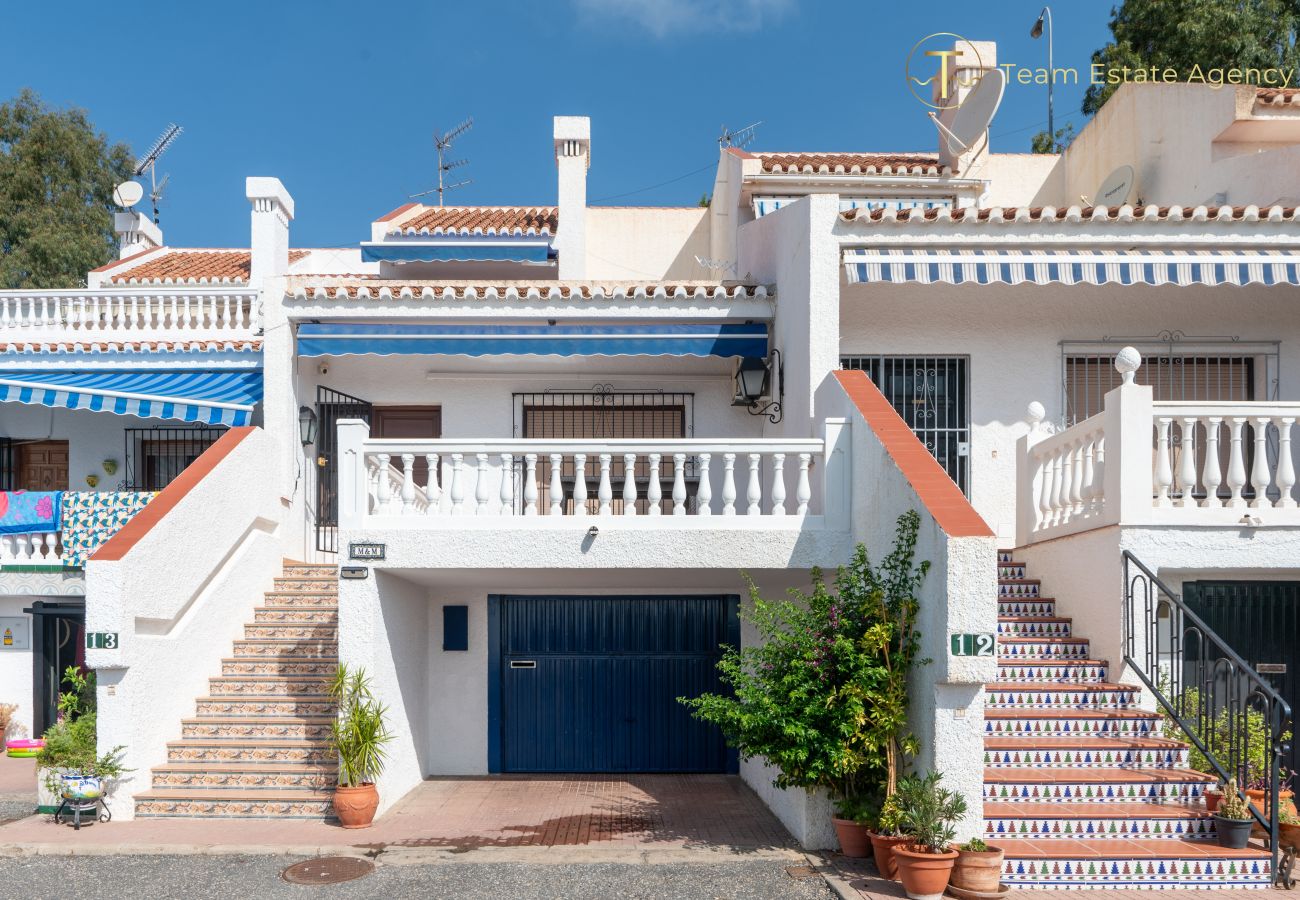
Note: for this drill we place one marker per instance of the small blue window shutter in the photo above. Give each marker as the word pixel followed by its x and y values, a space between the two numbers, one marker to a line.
pixel 455 628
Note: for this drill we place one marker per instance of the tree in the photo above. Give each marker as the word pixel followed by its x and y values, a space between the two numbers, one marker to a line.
pixel 1181 34
pixel 57 176
pixel 1043 142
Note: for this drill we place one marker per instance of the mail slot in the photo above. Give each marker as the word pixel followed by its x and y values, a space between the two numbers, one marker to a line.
pixel 523 664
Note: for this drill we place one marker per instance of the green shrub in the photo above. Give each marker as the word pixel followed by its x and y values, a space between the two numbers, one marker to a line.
pixel 71 743
pixel 974 845
pixel 929 812
pixel 358 734
pixel 1216 730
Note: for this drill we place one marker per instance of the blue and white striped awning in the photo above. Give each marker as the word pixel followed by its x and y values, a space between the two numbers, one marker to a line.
pixel 455 249
pixel 343 339
pixel 213 398
pixel 1072 267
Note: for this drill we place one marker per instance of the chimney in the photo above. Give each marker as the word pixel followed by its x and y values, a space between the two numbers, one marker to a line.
pixel 272 213
pixel 572 157
pixel 966 67
pixel 135 234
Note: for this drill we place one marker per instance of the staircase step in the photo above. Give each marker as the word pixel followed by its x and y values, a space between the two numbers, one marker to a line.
pixel 1096 785
pixel 1048 695
pixel 268 752
pixel 1042 648
pixel 1034 626
pixel 292 631
pixel 309 570
pixel 1011 571
pixel 1078 723
pixel 1039 606
pixel 242 728
pixel 300 777
pixel 264 804
pixel 1019 588
pixel 311 599
pixel 316 615
pixel 1141 821
pixel 309 584
pixel 304 649
pixel 1131 863
pixel 254 706
pixel 1074 753
pixel 279 665
pixel 268 685
pixel 1064 671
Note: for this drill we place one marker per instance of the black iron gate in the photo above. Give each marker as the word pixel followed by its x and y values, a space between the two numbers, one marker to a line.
pixel 332 405
pixel 931 394
pixel 1261 621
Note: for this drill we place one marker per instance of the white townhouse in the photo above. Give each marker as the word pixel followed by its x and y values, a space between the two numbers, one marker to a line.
pixel 513 461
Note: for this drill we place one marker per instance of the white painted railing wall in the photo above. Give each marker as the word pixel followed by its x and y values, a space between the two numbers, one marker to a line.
pixel 141 313
pixel 31 549
pixel 1140 462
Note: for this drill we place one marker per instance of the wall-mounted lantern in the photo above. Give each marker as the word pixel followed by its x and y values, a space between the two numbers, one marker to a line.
pixel 755 379
pixel 307 425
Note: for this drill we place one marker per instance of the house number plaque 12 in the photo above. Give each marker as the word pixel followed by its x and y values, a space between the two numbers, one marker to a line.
pixel 972 644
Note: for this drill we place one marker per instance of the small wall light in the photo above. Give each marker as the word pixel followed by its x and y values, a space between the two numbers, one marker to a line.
pixel 754 380
pixel 307 425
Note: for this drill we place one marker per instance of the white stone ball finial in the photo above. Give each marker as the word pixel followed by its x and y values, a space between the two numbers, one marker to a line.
pixel 1034 414
pixel 1127 362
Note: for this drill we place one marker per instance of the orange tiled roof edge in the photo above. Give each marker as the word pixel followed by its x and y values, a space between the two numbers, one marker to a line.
pixel 488 220
pixel 1012 214
pixel 194 267
pixel 852 164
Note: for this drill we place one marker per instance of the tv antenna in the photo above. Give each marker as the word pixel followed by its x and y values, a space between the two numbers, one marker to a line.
pixel 740 138
pixel 442 143
pixel 150 164
pixel 156 194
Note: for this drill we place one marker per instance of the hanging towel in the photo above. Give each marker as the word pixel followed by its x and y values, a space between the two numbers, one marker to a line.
pixel 30 512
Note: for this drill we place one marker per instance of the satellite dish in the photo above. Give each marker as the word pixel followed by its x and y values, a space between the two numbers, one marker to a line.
pixel 128 194
pixel 972 118
pixel 1116 189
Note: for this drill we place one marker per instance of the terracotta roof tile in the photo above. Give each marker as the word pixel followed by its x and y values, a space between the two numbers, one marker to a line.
pixel 1077 214
pixel 376 289
pixel 197 266
pixel 1277 95
pixel 852 163
pixel 480 219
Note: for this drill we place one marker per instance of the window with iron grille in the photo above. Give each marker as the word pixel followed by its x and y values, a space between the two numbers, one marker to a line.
pixel 156 456
pixel 931 393
pixel 8 465
pixel 1089 377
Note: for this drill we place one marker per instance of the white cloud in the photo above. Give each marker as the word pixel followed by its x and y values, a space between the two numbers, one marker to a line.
pixel 664 17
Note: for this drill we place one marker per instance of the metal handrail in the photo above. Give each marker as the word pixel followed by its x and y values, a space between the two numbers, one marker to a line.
pixel 1222 682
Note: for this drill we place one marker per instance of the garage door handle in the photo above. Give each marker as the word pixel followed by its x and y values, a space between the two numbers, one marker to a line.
pixel 523 664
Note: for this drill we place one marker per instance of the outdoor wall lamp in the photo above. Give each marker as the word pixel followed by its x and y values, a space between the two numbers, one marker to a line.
pixel 754 378
pixel 307 425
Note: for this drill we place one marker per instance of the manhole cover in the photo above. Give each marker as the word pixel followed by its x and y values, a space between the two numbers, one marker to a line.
pixel 799 872
pixel 327 870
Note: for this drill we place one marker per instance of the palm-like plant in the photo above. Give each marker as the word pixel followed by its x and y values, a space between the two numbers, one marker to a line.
pixel 358 734
pixel 928 812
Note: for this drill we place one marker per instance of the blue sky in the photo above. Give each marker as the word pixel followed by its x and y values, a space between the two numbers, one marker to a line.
pixel 339 99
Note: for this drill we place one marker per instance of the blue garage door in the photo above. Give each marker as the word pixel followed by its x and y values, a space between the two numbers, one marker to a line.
pixel 590 684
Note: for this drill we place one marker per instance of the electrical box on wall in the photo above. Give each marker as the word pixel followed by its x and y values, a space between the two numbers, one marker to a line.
pixel 455 628
pixel 15 633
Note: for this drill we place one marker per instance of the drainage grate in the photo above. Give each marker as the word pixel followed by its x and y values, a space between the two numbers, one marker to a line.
pixel 327 870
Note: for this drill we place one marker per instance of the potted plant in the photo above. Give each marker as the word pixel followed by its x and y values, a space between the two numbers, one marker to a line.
pixel 978 867
pixel 1213 796
pixel 851 815
pixel 1232 821
pixel 885 836
pixel 1257 790
pixel 357 738
pixel 1289 829
pixel 929 814
pixel 72 769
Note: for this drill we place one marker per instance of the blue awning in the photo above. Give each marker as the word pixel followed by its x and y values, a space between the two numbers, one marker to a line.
pixel 341 339
pixel 1154 267
pixel 213 398
pixel 537 252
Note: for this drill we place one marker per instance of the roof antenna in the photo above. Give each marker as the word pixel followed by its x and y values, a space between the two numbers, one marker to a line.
pixel 150 164
pixel 442 143
pixel 739 138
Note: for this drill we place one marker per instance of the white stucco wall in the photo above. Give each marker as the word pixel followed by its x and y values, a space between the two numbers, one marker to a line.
pixel 647 242
pixel 92 437
pixel 16 671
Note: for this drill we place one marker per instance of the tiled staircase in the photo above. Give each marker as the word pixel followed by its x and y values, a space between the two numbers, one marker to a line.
pixel 1081 788
pixel 256 747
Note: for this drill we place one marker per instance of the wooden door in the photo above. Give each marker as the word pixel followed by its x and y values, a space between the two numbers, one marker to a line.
pixel 401 422
pixel 43 466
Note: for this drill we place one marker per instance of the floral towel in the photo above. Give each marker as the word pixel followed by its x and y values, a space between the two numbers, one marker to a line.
pixel 90 518
pixel 29 512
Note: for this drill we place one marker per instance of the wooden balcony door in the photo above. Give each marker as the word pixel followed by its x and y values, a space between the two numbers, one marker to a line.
pixel 398 422
pixel 42 466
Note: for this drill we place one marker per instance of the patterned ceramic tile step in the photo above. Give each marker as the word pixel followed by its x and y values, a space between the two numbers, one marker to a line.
pixel 1010 648
pixel 1130 863
pixel 1011 570
pixel 1048 821
pixel 254 706
pixel 1096 785
pixel 279 665
pixel 1041 606
pixel 1030 696
pixel 1067 723
pixel 238 728
pixel 272 753
pixel 267 685
pixel 305 777
pixel 1066 671
pixel 292 631
pixel 1073 753
pixel 311 599
pixel 302 585
pixel 320 615
pixel 232 804
pixel 1006 556
pixel 300 649
pixel 1020 589
pixel 1034 626
pixel 309 570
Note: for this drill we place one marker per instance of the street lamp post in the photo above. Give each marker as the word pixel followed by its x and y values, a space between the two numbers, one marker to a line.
pixel 1037 32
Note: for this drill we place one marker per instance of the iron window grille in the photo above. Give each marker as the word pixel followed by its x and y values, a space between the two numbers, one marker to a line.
pixel 331 406
pixel 154 457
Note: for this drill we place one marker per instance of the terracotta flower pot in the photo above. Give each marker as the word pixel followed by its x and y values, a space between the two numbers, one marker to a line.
pixel 978 870
pixel 882 848
pixel 1212 799
pixel 1258 799
pixel 355 806
pixel 854 842
pixel 1289 835
pixel 924 875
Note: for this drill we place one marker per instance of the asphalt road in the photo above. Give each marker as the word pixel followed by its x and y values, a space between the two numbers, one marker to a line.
pixel 205 877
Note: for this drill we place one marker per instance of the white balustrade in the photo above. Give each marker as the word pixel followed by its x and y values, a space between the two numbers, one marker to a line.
pixel 1065 479
pixel 31 549
pixel 142 313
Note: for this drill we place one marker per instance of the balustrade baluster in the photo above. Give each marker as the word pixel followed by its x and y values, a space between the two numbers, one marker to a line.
pixel 1046 489
pixel 1061 494
pixel 6 540
pixel 1076 477
pixel 432 490
pixel 1260 476
pixel 704 491
pixel 728 484
pixel 384 491
pixel 778 484
pixel 654 493
pixel 1285 463
pixel 605 491
pixel 457 484
pixel 1099 473
pixel 1087 490
pixel 507 484
pixel 579 484
pixel 1212 475
pixel 1187 463
pixel 52 554
pixel 1164 474
pixel 482 490
pixel 408 483
pixel 1236 463
pixel 225 322
pixel 557 486
pixel 629 484
pixel 679 484
pixel 803 488
pixel 754 490
pixel 530 484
